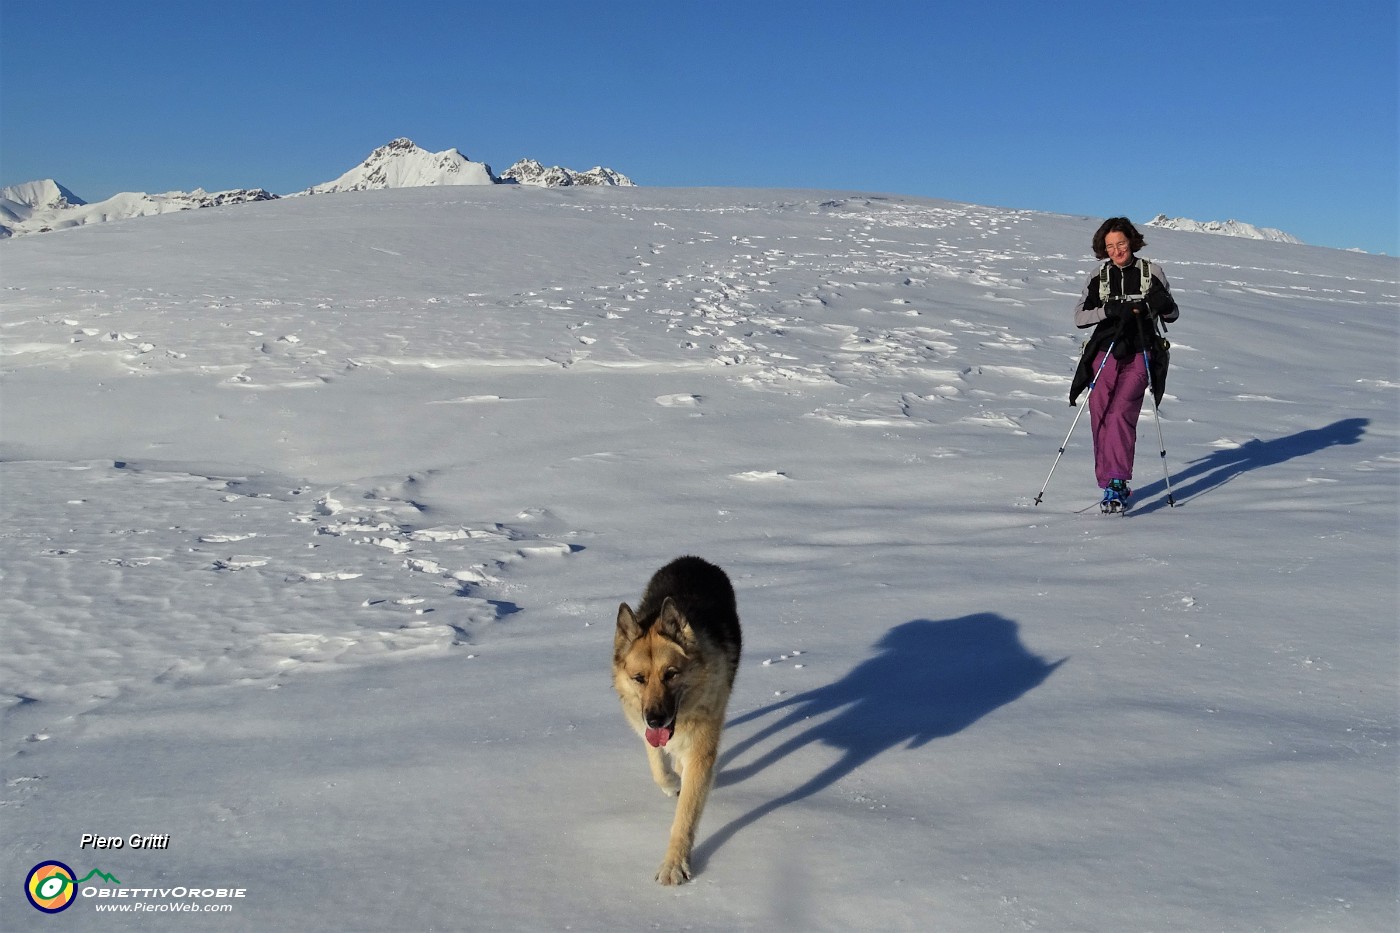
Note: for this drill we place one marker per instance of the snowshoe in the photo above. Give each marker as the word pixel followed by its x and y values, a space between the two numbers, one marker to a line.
pixel 1115 497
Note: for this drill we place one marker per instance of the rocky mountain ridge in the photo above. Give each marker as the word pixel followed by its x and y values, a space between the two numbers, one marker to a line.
pixel 1222 228
pixel 530 172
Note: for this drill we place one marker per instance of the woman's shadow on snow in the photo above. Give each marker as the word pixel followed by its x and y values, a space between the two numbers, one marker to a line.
pixel 1217 469
pixel 928 680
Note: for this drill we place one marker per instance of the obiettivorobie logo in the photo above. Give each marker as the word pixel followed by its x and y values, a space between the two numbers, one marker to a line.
pixel 53 887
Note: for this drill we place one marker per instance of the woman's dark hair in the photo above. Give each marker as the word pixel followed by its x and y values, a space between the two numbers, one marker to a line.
pixel 1117 225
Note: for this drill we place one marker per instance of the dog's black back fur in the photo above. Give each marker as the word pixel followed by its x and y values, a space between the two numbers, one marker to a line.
pixel 704 596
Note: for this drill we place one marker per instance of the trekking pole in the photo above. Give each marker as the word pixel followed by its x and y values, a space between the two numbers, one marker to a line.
pixel 1156 413
pixel 1065 444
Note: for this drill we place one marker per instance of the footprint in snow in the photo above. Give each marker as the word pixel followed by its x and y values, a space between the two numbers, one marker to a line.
pixel 761 476
pixel 681 400
pixel 240 563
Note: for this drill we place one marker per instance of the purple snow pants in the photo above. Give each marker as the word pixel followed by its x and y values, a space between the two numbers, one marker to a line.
pixel 1114 406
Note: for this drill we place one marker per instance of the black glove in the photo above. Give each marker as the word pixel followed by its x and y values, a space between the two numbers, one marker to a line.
pixel 1159 303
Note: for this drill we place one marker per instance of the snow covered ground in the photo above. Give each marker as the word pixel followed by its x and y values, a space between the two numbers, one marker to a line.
pixel 317 513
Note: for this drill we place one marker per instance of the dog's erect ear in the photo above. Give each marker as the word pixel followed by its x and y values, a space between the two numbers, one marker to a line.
pixel 628 630
pixel 672 623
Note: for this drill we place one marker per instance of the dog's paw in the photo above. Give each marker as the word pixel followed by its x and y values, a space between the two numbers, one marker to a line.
pixel 674 871
pixel 670 784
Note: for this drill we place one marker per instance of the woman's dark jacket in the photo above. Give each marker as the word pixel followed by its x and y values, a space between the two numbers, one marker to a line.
pixel 1114 322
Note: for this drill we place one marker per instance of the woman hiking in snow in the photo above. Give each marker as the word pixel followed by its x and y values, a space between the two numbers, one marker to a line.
pixel 1119 302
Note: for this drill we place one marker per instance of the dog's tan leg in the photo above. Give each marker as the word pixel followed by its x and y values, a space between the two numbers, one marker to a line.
pixel 661 772
pixel 698 769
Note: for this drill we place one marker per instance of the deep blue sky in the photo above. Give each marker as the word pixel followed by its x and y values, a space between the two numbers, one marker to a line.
pixel 1280 113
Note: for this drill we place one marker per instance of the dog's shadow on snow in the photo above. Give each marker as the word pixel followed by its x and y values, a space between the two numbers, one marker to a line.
pixel 1216 469
pixel 927 680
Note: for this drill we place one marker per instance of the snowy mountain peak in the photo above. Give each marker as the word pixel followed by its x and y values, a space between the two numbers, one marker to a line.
pixel 41 195
pixel 530 172
pixel 1222 228
pixel 402 164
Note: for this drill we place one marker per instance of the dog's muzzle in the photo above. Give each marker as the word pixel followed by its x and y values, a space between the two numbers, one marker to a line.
pixel 659 730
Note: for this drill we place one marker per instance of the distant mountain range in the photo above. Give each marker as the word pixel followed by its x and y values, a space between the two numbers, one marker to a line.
pixel 1222 228
pixel 42 206
pixel 530 172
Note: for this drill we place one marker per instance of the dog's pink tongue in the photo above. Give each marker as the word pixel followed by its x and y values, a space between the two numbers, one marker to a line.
pixel 658 737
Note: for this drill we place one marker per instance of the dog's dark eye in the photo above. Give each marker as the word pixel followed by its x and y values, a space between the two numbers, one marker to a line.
pixel 640 678
pixel 670 675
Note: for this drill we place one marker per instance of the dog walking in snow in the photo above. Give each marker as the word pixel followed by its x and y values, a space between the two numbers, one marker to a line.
pixel 674 661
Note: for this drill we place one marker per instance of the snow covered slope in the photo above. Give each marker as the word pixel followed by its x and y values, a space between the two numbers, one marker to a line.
pixel 316 515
